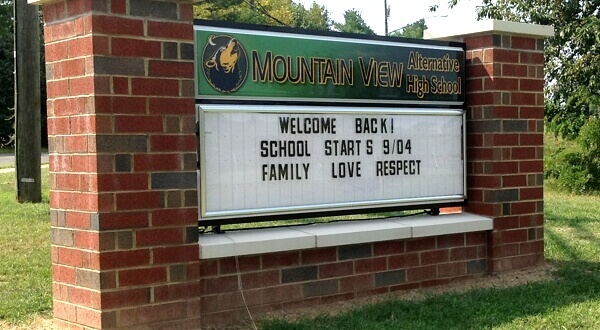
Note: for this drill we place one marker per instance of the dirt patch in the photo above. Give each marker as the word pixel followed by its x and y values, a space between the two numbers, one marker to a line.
pixel 37 323
pixel 503 280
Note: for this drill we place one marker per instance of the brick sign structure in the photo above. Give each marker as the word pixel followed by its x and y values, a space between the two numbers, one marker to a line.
pixel 361 124
pixel 125 245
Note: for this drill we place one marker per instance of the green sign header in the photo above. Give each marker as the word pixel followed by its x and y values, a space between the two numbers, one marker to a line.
pixel 243 64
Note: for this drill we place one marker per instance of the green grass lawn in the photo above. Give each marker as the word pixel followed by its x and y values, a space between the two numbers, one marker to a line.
pixel 25 275
pixel 569 301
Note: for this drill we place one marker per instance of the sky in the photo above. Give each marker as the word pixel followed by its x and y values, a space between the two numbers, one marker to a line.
pixel 402 12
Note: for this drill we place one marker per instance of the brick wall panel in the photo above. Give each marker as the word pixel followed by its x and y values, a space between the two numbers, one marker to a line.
pixel 80 47
pixel 509 181
pixel 523 207
pixel 288 292
pixel 285 259
pixel 57 88
pixel 370 265
pixel 523 43
pixel 531 57
pixel 484 181
pixel 159 68
pixel 479 42
pixel 535 193
pixel 434 257
pixel 255 280
pixel 357 283
pixel 125 259
pixel 420 244
pixel 87 240
pixel 241 263
pixel 475 84
pixel 451 269
pixel 339 269
pixel 403 261
pixel 55 12
pixel 83 297
pixel 120 104
pixel 388 248
pixel 170 30
pixel 508 222
pixel 515 70
pixel 175 254
pixel 82 124
pixel 531 140
pixel 142 276
pixel 484 98
pixel 480 70
pixel 112 25
pixel 448 241
pixel 507 84
pixel 507 250
pixel 64 311
pixel 152 314
pixel 174 217
pixel 67 30
pixel 56 51
pixel 535 166
pixel 531 85
pixel 138 200
pixel 463 253
pixel 159 236
pixel 63 274
pixel 419 274
pixel 138 124
pixel 121 86
pixel 130 47
pixel 171 106
pixel 209 267
pixel 173 143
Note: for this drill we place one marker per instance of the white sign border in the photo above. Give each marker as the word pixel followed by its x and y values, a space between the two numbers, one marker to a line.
pixel 204 215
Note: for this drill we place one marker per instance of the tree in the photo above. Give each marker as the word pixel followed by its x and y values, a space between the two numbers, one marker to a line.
pixel 412 30
pixel 314 18
pixel 572 56
pixel 353 23
pixel 265 12
pixel 7 91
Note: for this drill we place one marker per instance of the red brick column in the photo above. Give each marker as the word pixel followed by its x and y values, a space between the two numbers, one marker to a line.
pixel 122 161
pixel 505 106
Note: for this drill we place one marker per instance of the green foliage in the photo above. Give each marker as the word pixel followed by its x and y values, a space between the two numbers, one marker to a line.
pixel 7 82
pixel 6 74
pixel 412 30
pixel 578 169
pixel 353 23
pixel 314 18
pixel 265 12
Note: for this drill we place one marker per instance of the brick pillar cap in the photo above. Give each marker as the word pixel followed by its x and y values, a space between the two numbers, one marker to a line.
pixel 457 30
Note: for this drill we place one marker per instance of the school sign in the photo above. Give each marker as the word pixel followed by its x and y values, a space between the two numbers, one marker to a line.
pixel 293 123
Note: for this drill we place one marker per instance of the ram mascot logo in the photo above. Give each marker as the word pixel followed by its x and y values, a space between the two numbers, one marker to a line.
pixel 224 63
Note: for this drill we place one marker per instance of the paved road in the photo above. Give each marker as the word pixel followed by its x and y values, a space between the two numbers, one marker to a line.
pixel 9 159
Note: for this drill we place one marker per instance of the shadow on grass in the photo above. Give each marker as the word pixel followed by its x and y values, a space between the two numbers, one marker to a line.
pixel 575 283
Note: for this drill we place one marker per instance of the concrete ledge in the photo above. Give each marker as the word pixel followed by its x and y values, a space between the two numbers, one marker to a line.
pixel 454 31
pixel 268 240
